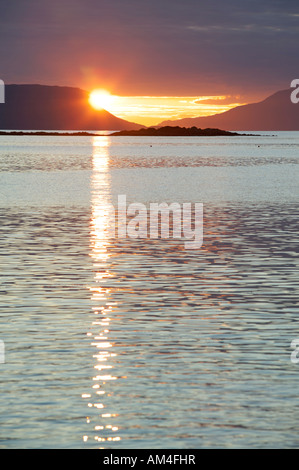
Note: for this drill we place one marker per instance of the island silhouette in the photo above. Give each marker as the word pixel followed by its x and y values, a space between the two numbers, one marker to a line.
pixel 151 131
pixel 175 131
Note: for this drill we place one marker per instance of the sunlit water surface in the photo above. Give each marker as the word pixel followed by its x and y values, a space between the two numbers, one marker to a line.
pixel 122 343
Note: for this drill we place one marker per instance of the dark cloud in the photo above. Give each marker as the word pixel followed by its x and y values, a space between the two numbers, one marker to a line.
pixel 152 47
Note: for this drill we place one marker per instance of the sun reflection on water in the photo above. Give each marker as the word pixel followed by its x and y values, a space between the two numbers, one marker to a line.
pixel 102 422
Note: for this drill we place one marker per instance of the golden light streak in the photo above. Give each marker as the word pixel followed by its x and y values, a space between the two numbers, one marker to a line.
pixel 100 231
pixel 151 110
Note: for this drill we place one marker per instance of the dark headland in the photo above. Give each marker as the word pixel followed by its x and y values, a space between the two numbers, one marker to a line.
pixel 55 108
pixel 176 131
pixel 275 113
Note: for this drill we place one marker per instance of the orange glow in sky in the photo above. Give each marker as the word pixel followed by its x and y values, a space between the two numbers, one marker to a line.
pixel 152 110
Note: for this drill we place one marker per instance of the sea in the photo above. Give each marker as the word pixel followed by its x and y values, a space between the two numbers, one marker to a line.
pixel 140 343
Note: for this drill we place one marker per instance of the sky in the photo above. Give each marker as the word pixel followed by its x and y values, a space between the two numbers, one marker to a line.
pixel 201 56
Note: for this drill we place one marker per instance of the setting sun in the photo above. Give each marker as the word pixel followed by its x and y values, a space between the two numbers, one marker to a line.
pixel 101 99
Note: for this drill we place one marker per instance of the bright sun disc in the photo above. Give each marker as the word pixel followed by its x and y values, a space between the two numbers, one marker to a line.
pixel 100 99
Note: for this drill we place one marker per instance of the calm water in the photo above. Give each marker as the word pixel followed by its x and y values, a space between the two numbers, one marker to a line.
pixel 141 343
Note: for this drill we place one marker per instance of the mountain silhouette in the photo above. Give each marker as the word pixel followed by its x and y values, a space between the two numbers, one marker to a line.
pixel 42 107
pixel 275 113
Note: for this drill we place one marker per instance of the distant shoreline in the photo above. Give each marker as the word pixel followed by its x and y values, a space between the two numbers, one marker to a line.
pixel 167 131
pixel 49 133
